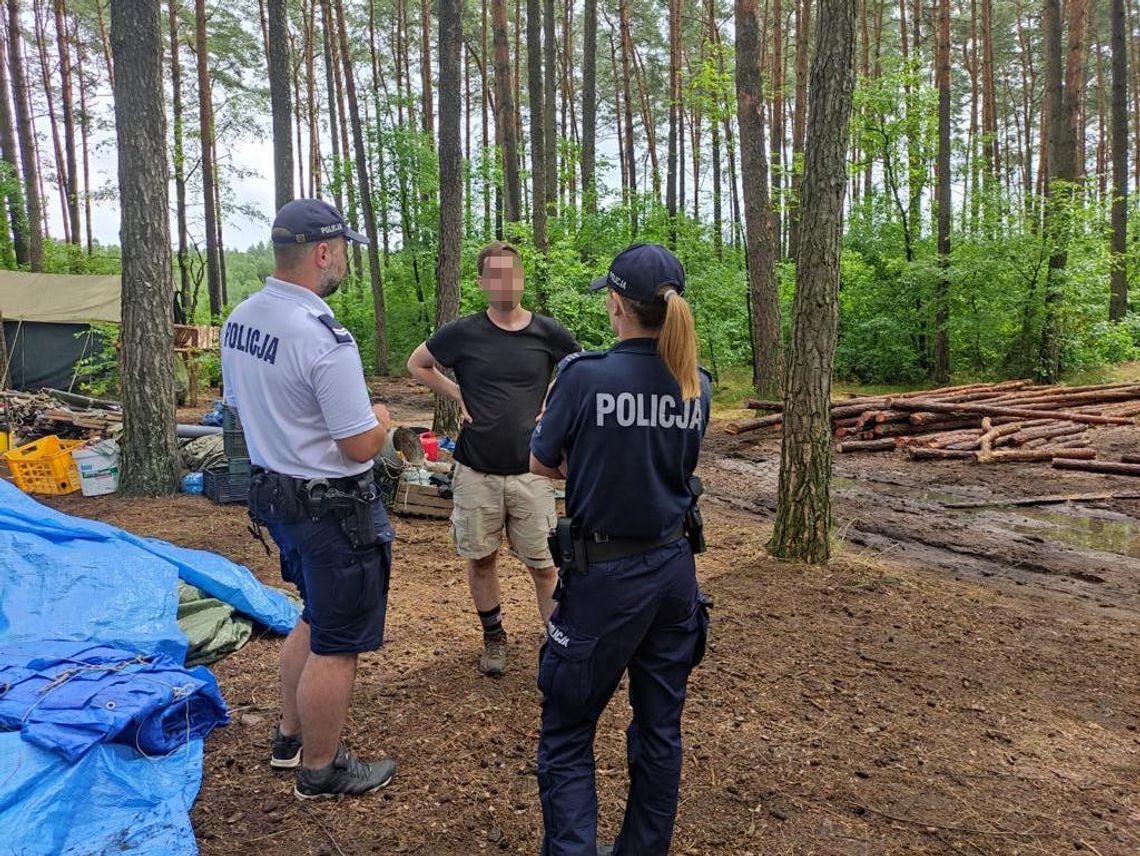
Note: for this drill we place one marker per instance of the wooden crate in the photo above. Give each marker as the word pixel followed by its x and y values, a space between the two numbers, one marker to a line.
pixel 417 500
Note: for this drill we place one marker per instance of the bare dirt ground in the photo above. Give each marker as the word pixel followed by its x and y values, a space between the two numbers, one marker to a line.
pixel 953 683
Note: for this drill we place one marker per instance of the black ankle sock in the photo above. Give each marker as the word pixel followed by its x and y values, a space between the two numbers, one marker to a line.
pixel 492 621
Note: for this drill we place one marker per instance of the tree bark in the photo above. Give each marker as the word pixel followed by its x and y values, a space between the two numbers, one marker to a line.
pixel 674 102
pixel 630 164
pixel 799 118
pixel 940 373
pixel 1118 306
pixel 280 92
pixel 777 159
pixel 760 247
pixel 803 510
pixel 61 180
pixel 550 130
pixel 172 15
pixel 25 133
pixel 150 452
pixel 67 101
pixel 589 105
pixel 505 120
pixel 446 419
pixel 14 202
pixel 538 148
pixel 206 135
pixel 425 68
pixel 84 135
pixel 330 96
pixel 380 330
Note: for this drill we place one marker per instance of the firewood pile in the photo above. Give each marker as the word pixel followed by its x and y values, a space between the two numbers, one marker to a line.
pixel 989 423
pixel 30 416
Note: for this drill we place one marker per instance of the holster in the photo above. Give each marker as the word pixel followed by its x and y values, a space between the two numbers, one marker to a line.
pixel 567 551
pixel 694 522
pixel 277 498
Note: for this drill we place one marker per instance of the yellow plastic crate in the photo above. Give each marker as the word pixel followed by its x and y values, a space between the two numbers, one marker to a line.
pixel 45 466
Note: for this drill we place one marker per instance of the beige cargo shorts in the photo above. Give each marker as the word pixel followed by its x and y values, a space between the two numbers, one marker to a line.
pixel 486 504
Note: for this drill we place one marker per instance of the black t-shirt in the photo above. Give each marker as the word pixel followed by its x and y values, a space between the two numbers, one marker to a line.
pixel 503 375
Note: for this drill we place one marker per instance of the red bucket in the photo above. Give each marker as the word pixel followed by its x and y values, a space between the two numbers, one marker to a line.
pixel 430 445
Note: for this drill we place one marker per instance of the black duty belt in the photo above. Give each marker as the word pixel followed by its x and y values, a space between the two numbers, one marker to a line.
pixel 605 548
pixel 347 484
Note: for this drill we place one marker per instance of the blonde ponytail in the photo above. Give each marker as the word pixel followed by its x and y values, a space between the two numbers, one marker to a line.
pixel 677 344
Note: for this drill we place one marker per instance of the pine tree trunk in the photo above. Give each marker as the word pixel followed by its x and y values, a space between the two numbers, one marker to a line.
pixel 485 99
pixel 538 147
pixel 330 96
pixel 550 130
pixel 761 253
pixel 1118 306
pixel 989 99
pixel 14 201
pixel 589 105
pixel 310 17
pixel 799 117
pixel 172 15
pixel 150 451
pixel 105 39
pixel 626 90
pixel 674 100
pixel 1073 157
pixel 450 189
pixel 1059 154
pixel 647 122
pixel 505 119
pixel 206 135
pixel 425 68
pixel 298 117
pixel 803 510
pixel 777 158
pixel 941 366
pixel 380 323
pixel 280 100
pixel 84 135
pixel 61 180
pixel 66 100
pixel 25 133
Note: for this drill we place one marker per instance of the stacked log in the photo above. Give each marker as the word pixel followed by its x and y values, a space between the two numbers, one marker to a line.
pixel 1009 421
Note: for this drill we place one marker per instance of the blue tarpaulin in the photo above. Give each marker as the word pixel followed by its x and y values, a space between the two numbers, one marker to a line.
pixel 76 583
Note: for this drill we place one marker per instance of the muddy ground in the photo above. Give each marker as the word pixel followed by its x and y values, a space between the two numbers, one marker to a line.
pixel 955 682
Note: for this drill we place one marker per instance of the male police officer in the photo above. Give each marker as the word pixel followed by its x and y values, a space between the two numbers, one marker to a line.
pixel 503 359
pixel 295 377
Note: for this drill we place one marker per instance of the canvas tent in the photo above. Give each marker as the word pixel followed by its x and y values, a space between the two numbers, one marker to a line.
pixel 47 320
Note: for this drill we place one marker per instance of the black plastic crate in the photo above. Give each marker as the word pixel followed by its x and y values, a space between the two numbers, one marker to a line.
pixel 233 438
pixel 387 475
pixel 221 486
pixel 238 466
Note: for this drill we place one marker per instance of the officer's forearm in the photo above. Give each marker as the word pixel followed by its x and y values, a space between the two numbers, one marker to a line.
pixel 540 469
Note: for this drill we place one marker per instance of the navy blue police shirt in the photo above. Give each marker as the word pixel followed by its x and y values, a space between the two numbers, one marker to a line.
pixel 629 440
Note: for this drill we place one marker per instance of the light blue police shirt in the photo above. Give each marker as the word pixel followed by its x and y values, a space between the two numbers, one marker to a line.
pixel 295 377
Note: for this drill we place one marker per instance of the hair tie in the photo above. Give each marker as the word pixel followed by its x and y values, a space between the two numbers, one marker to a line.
pixel 667 293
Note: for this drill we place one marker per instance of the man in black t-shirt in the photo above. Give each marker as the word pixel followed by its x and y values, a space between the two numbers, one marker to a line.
pixel 503 360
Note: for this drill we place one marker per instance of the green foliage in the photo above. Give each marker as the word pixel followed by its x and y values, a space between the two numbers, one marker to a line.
pixel 97 374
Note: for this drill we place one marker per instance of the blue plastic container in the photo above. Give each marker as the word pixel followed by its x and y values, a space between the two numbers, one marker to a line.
pixel 193 483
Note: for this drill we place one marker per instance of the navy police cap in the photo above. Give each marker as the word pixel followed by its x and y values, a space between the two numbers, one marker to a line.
pixel 304 221
pixel 640 272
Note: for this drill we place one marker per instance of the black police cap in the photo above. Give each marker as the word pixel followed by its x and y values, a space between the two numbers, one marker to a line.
pixel 306 221
pixel 640 271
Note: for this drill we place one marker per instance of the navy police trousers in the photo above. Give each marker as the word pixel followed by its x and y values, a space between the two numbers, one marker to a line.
pixel 639 613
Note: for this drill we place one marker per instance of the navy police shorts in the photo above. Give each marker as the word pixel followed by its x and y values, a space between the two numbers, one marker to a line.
pixel 344 589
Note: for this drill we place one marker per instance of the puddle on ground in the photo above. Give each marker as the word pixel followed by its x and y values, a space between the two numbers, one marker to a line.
pixel 1100 531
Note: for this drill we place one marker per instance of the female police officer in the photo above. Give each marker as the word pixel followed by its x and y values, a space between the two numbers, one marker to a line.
pixel 624 426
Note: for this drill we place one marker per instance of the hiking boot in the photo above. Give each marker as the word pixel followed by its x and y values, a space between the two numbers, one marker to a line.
pixel 346 775
pixel 286 750
pixel 493 660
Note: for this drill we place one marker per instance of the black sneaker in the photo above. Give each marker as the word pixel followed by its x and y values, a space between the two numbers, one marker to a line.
pixel 286 750
pixel 346 775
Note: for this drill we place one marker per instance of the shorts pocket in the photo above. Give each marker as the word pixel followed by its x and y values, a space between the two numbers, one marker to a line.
pixel 566 668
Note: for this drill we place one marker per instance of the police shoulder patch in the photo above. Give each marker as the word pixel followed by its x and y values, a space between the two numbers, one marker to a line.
pixel 341 334
pixel 570 359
